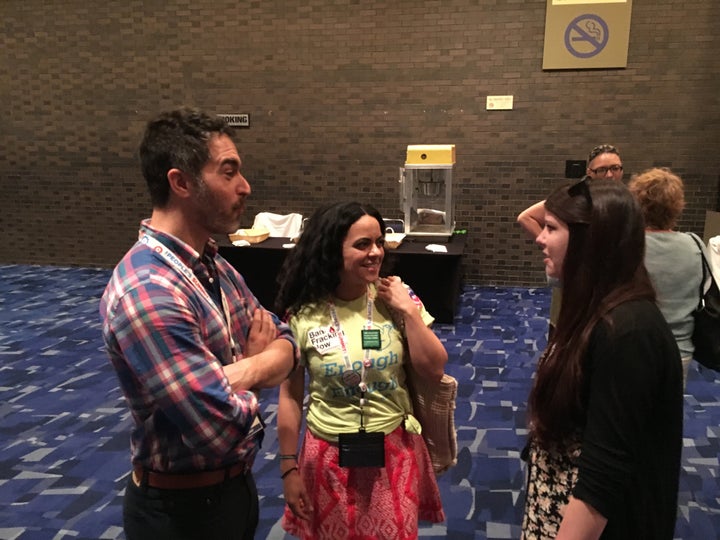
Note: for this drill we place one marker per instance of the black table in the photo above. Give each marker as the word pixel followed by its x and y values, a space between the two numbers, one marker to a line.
pixel 435 277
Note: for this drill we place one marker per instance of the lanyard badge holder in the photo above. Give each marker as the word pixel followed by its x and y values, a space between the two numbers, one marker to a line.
pixel 173 261
pixel 364 448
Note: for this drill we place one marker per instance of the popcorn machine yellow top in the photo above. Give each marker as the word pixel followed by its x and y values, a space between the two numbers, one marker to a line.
pixel 426 194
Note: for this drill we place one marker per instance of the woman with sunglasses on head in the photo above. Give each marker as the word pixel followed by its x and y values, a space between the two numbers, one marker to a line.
pixel 603 162
pixel 605 409
pixel 363 470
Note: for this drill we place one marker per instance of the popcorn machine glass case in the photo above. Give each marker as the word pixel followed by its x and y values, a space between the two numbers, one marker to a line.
pixel 426 194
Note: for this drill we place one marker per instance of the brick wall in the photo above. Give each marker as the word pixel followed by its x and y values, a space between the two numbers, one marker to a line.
pixel 335 92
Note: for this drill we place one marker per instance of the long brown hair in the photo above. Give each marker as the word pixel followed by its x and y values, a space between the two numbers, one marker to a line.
pixel 603 268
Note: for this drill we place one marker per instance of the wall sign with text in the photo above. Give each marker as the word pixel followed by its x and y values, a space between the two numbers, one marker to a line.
pixel 237 119
pixel 586 34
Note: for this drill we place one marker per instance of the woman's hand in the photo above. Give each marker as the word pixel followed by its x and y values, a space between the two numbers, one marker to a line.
pixel 392 291
pixel 427 353
pixel 296 496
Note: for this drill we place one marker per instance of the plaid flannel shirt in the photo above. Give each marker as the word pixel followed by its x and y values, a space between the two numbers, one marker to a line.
pixel 168 344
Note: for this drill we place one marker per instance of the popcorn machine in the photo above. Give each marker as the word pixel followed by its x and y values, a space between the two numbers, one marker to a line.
pixel 426 194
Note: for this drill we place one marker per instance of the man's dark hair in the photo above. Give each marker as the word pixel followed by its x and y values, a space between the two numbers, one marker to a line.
pixel 602 149
pixel 177 140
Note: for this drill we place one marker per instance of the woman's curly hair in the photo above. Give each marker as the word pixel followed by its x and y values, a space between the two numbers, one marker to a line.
pixel 311 271
pixel 661 196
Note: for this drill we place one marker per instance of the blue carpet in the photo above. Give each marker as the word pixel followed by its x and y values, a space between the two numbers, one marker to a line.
pixel 64 425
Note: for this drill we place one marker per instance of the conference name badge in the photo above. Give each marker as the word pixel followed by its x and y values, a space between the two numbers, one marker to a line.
pixel 324 339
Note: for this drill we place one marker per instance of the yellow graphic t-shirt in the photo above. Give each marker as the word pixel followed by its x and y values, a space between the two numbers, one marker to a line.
pixel 334 407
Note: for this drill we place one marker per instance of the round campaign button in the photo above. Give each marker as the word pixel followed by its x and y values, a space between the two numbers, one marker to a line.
pixel 351 378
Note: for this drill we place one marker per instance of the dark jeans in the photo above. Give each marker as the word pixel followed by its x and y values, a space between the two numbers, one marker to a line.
pixel 227 511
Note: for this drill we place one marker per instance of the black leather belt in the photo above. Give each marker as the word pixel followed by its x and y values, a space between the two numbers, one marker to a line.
pixel 188 480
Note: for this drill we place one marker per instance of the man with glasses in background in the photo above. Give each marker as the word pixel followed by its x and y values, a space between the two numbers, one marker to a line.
pixel 603 162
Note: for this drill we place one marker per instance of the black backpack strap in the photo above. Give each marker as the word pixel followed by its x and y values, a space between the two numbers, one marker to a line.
pixel 707 271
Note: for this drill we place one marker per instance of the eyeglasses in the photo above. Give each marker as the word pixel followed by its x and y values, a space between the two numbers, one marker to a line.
pixel 604 170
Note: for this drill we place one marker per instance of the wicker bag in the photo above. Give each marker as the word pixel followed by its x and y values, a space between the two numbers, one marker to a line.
pixel 434 407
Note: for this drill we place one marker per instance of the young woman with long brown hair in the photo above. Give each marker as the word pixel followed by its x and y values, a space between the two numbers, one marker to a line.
pixel 605 410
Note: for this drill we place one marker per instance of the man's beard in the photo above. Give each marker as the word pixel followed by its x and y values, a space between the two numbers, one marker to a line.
pixel 214 217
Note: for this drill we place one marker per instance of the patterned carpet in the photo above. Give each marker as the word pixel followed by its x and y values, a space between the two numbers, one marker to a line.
pixel 64 425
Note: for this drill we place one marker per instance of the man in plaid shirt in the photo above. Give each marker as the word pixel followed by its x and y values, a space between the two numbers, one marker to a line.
pixel 190 343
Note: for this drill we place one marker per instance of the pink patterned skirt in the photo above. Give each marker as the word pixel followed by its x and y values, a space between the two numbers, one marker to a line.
pixel 367 503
